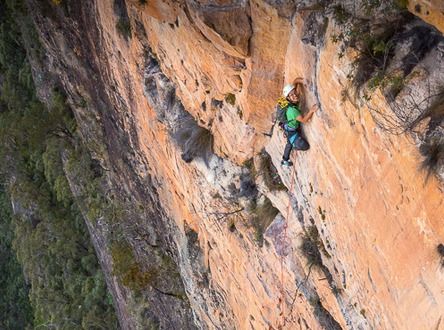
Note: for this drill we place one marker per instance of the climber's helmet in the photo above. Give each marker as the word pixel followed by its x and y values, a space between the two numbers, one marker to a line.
pixel 290 93
pixel 287 89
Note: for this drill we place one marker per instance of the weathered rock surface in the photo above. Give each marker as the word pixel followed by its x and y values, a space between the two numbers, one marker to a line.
pixel 430 11
pixel 186 100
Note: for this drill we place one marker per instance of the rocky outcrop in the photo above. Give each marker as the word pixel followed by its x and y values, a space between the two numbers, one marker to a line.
pixel 174 106
pixel 430 11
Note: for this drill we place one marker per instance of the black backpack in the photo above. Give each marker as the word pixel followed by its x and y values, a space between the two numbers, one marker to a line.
pixel 280 116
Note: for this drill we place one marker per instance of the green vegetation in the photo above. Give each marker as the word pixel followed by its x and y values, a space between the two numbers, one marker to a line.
pixel 270 174
pixel 321 213
pixel 262 210
pixel 136 277
pixel 310 250
pixel 340 14
pixel 88 174
pixel 15 307
pixel 315 301
pixel 440 249
pixel 312 245
pixel 374 46
pixel 249 165
pixel 389 27
pixel 230 98
pixel 48 234
pixel 123 26
pixel 267 170
pixel 128 270
pixel 402 4
pixel 433 155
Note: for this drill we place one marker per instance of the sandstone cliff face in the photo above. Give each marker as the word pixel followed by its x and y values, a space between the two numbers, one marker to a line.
pixel 207 74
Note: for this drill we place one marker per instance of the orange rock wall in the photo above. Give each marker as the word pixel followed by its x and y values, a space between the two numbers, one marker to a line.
pixel 378 220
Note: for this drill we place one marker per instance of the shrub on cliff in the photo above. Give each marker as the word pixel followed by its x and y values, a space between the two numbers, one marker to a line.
pixel 312 246
pixel 440 249
pixel 128 270
pixel 263 213
pixel 123 26
pixel 194 140
pixel 432 151
pixel 270 174
pixel 267 170
pixel 160 272
pixel 392 50
pixel 230 98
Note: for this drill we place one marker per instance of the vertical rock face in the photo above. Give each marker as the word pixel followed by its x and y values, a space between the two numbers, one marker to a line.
pixel 182 97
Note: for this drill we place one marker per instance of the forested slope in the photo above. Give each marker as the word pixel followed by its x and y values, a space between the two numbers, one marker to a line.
pixel 48 235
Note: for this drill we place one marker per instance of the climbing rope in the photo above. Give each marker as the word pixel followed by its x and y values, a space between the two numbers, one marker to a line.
pixel 283 320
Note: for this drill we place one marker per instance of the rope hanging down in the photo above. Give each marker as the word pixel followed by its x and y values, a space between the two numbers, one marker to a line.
pixel 283 321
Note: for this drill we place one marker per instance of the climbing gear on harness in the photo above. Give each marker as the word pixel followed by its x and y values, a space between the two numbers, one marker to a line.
pixel 280 116
pixel 288 129
pixel 282 102
pixel 281 110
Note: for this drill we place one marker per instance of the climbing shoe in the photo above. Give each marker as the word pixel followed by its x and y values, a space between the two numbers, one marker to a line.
pixel 286 163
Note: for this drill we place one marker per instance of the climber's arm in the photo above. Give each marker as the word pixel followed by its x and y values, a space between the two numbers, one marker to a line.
pixel 305 118
pixel 299 84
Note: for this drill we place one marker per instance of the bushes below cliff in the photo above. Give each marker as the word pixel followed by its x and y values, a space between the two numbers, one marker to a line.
pixel 137 277
pixel 52 244
pixel 67 287
pixel 15 307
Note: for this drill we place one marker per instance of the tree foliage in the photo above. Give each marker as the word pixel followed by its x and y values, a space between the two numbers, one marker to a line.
pixel 67 289
pixel 15 308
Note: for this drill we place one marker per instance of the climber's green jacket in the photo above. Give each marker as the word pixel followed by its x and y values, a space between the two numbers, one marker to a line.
pixel 292 113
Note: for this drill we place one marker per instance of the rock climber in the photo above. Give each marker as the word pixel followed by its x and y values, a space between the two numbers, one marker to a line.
pixel 290 102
